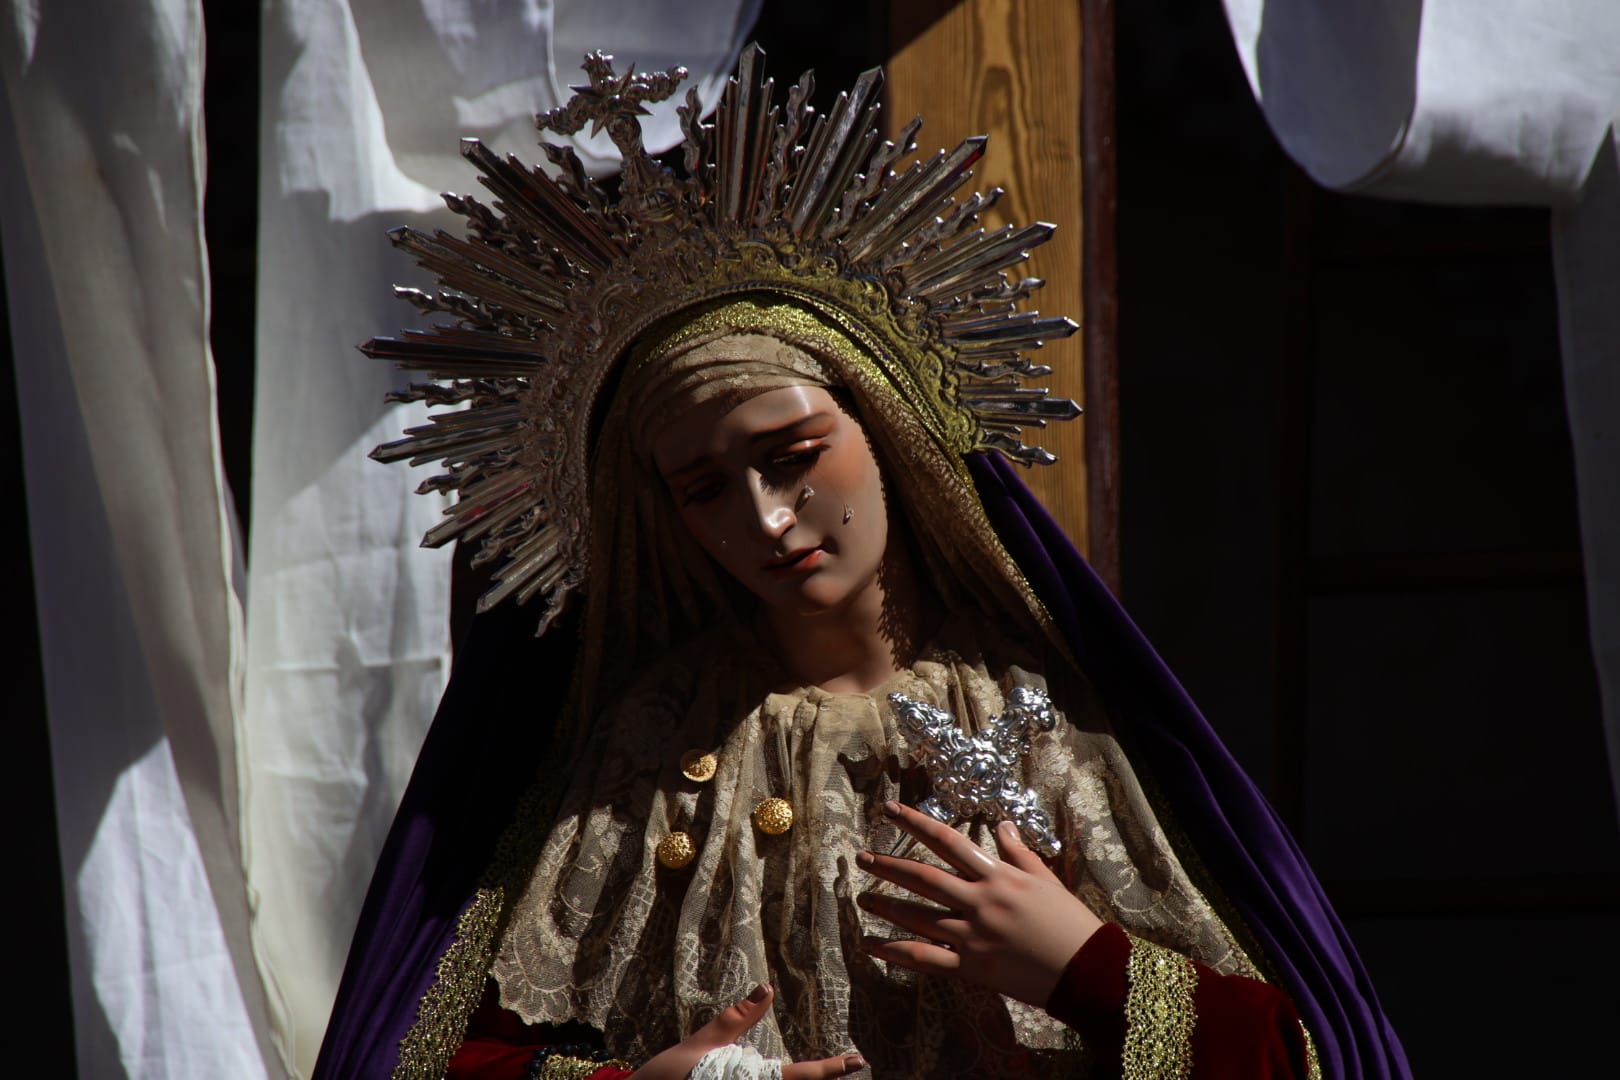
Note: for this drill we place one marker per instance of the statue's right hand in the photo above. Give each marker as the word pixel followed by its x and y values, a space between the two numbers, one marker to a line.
pixel 679 1060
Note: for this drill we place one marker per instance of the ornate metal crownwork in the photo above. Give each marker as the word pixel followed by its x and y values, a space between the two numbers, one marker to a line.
pixel 557 279
pixel 976 775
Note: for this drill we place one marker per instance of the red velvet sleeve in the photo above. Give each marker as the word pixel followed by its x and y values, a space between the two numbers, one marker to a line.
pixel 1242 1028
pixel 499 1046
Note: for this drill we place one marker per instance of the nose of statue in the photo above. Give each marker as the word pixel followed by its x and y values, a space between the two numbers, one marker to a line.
pixel 776 521
pixel 772 511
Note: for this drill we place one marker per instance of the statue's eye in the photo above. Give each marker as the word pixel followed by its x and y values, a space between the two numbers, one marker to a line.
pixel 801 455
pixel 703 492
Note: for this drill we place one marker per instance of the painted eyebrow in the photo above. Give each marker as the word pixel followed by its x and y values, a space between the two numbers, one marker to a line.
pixel 763 436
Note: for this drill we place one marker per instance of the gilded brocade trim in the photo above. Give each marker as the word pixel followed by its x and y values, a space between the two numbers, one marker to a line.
pixel 441 1019
pixel 458 983
pixel 1159 1013
pixel 576 1068
pixel 1226 913
pixel 1233 926
pixel 1313 1064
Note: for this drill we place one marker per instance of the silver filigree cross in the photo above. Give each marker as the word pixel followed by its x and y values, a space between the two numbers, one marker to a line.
pixel 976 775
pixel 617 103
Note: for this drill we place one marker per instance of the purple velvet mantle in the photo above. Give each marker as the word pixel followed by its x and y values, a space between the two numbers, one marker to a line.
pixel 498 711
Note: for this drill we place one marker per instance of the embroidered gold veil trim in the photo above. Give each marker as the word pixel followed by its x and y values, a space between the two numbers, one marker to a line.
pixel 1313 1064
pixel 458 983
pixel 462 972
pixel 663 587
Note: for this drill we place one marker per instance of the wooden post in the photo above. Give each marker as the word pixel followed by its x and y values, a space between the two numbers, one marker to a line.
pixel 1012 69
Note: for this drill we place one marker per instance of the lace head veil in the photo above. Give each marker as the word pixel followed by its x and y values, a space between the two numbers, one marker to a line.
pixel 656 587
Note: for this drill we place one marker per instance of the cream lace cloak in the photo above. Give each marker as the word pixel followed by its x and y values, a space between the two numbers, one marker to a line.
pixel 605 934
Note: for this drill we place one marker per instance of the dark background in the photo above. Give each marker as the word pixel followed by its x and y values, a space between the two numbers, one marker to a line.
pixel 1347 519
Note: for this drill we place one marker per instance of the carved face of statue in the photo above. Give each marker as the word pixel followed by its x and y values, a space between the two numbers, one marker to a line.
pixel 782 491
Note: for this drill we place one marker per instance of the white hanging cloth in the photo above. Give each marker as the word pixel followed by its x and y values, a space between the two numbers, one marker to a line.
pixel 101 180
pixel 1481 101
pixel 364 103
pixel 215 852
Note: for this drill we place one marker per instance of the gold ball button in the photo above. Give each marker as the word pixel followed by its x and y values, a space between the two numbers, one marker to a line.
pixel 773 816
pixel 676 850
pixel 699 766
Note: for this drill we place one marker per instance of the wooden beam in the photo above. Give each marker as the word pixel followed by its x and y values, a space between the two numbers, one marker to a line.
pixel 1099 286
pixel 1012 70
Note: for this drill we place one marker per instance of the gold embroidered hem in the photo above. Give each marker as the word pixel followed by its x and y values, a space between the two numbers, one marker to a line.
pixel 575 1068
pixel 463 971
pixel 441 1019
pixel 1159 1013
pixel 1313 1064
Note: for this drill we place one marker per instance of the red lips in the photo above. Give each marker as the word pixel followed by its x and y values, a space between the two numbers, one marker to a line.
pixel 802 559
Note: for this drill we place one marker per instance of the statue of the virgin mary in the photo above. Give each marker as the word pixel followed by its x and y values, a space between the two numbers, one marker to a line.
pixel 742 435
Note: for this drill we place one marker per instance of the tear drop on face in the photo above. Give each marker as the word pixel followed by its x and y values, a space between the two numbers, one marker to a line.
pixel 738 474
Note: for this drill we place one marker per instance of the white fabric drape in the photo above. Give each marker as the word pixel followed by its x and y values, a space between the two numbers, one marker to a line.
pixel 1586 259
pixel 102 170
pixel 363 105
pixel 1480 101
pixel 1467 101
pixel 215 850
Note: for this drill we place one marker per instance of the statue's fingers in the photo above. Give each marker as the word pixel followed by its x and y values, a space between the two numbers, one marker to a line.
pixel 824 1068
pixel 679 1060
pixel 957 850
pixel 1014 851
pixel 929 882
pixel 919 956
pixel 935 924
pixel 731 1022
